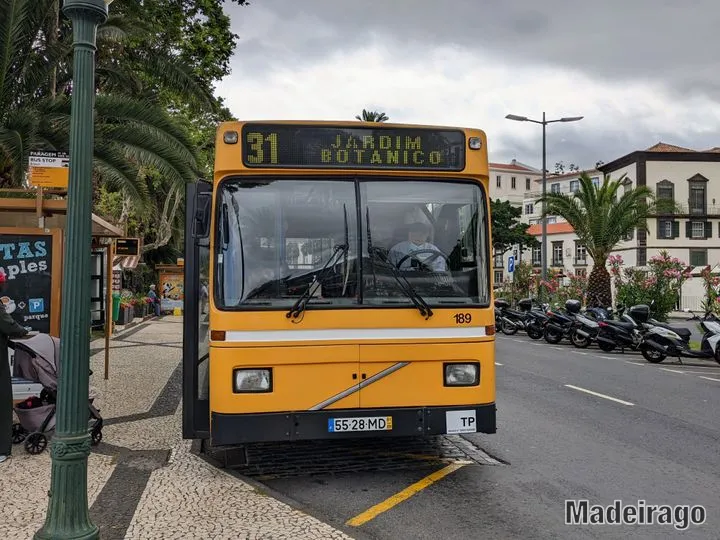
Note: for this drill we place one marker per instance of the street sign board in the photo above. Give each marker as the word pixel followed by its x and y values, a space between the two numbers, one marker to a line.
pixel 49 169
pixel 511 264
pixel 128 247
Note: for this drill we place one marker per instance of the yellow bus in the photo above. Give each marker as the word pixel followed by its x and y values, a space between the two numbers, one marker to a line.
pixel 337 284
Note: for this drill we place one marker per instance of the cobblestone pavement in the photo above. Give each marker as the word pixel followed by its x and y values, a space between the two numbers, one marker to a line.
pixel 143 480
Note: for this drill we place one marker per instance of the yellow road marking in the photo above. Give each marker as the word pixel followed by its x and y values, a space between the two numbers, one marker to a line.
pixel 405 494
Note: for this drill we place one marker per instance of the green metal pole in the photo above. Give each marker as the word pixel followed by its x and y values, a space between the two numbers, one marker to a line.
pixel 68 516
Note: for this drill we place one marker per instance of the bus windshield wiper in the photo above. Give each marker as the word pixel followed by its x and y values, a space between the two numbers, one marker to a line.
pixel 340 252
pixel 404 284
pixel 301 303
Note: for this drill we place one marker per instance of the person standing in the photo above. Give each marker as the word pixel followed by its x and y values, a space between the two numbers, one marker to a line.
pixel 155 300
pixel 8 329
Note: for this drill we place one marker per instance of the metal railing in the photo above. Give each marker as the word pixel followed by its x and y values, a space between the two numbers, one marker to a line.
pixel 688 210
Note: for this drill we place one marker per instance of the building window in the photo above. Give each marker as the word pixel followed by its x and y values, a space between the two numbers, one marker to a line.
pixel 534 221
pixel 529 209
pixel 596 181
pixel 697 198
pixel 555 188
pixel 574 185
pixel 498 181
pixel 513 184
pixel 580 253
pixel 698 257
pixel 642 256
pixel 498 276
pixel 581 272
pixel 537 256
pixel 557 253
pixel 551 219
pixel 527 184
pixel 498 260
pixel 668 228
pixel 697 229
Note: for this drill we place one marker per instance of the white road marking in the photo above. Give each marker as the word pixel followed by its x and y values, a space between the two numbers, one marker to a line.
pixel 579 352
pixel 498 364
pixel 599 395
pixel 709 378
pixel 558 348
pixel 634 363
pixel 672 370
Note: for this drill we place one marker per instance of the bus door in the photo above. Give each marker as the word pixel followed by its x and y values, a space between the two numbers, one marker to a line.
pixel 196 313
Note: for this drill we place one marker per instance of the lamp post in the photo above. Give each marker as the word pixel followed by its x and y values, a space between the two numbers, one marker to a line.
pixel 543 122
pixel 68 516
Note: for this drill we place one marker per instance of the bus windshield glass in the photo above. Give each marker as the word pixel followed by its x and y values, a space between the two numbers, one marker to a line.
pixel 351 242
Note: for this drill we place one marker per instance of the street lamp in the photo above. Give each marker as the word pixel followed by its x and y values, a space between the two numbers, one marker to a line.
pixel 543 122
pixel 68 515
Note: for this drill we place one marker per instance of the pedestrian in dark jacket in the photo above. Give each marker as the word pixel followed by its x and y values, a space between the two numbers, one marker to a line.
pixel 8 329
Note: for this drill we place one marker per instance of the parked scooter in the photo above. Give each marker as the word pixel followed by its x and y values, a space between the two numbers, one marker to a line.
pixel 660 342
pixel 561 325
pixel 623 332
pixel 584 332
pixel 536 319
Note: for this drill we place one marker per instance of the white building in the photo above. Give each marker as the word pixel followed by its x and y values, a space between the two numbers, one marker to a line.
pixel 563 251
pixel 511 181
pixel 690 232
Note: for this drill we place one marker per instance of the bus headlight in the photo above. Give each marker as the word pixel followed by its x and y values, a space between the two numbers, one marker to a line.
pixel 462 374
pixel 252 380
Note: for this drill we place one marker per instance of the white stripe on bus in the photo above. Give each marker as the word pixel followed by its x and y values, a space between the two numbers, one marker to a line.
pixel 354 334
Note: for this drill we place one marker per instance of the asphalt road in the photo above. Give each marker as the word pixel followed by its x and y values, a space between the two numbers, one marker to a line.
pixel 652 434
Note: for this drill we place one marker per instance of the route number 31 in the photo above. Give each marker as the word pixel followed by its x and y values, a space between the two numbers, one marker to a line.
pixel 462 318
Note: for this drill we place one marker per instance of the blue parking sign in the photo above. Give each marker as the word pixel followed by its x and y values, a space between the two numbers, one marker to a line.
pixel 511 264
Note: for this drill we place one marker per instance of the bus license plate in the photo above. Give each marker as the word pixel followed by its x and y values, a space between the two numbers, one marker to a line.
pixel 362 423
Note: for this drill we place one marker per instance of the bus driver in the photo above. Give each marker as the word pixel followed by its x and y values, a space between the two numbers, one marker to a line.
pixel 418 233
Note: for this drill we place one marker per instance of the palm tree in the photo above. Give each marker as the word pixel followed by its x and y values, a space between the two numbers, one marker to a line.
pixel 601 219
pixel 372 116
pixel 133 132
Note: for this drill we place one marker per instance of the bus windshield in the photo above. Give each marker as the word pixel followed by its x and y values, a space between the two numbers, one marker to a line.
pixel 352 241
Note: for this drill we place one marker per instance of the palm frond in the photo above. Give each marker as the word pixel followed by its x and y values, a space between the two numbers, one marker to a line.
pixel 601 218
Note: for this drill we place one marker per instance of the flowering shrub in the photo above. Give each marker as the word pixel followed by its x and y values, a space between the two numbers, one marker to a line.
pixel 711 304
pixel 658 287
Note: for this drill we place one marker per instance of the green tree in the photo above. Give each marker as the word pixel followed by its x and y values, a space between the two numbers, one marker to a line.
pixel 372 116
pixel 131 133
pixel 601 218
pixel 507 230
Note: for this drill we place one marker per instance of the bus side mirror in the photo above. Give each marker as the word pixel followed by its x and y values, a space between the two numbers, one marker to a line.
pixel 202 214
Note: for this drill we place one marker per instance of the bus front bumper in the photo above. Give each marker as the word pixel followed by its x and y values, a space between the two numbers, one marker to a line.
pixel 231 429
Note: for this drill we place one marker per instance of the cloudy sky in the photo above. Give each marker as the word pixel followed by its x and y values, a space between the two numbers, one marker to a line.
pixel 639 71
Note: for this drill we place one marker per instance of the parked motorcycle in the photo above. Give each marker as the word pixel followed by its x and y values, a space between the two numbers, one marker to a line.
pixel 623 332
pixel 561 325
pixel 660 342
pixel 584 332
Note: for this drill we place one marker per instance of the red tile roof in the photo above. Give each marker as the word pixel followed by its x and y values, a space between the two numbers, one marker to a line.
pixel 664 147
pixel 552 228
pixel 510 167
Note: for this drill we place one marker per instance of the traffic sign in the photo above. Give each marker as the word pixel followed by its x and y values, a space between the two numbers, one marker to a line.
pixel 49 169
pixel 511 264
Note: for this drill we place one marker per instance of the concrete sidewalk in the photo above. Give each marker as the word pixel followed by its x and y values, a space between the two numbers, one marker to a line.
pixel 143 480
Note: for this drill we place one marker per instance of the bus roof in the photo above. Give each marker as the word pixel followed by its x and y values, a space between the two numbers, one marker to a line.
pixel 344 123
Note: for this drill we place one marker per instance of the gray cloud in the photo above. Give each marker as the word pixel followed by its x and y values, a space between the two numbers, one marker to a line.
pixel 670 42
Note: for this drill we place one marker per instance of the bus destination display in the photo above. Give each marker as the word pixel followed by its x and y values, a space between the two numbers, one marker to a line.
pixel 352 148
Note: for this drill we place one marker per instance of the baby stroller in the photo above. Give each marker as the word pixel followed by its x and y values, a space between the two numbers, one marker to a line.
pixel 36 359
